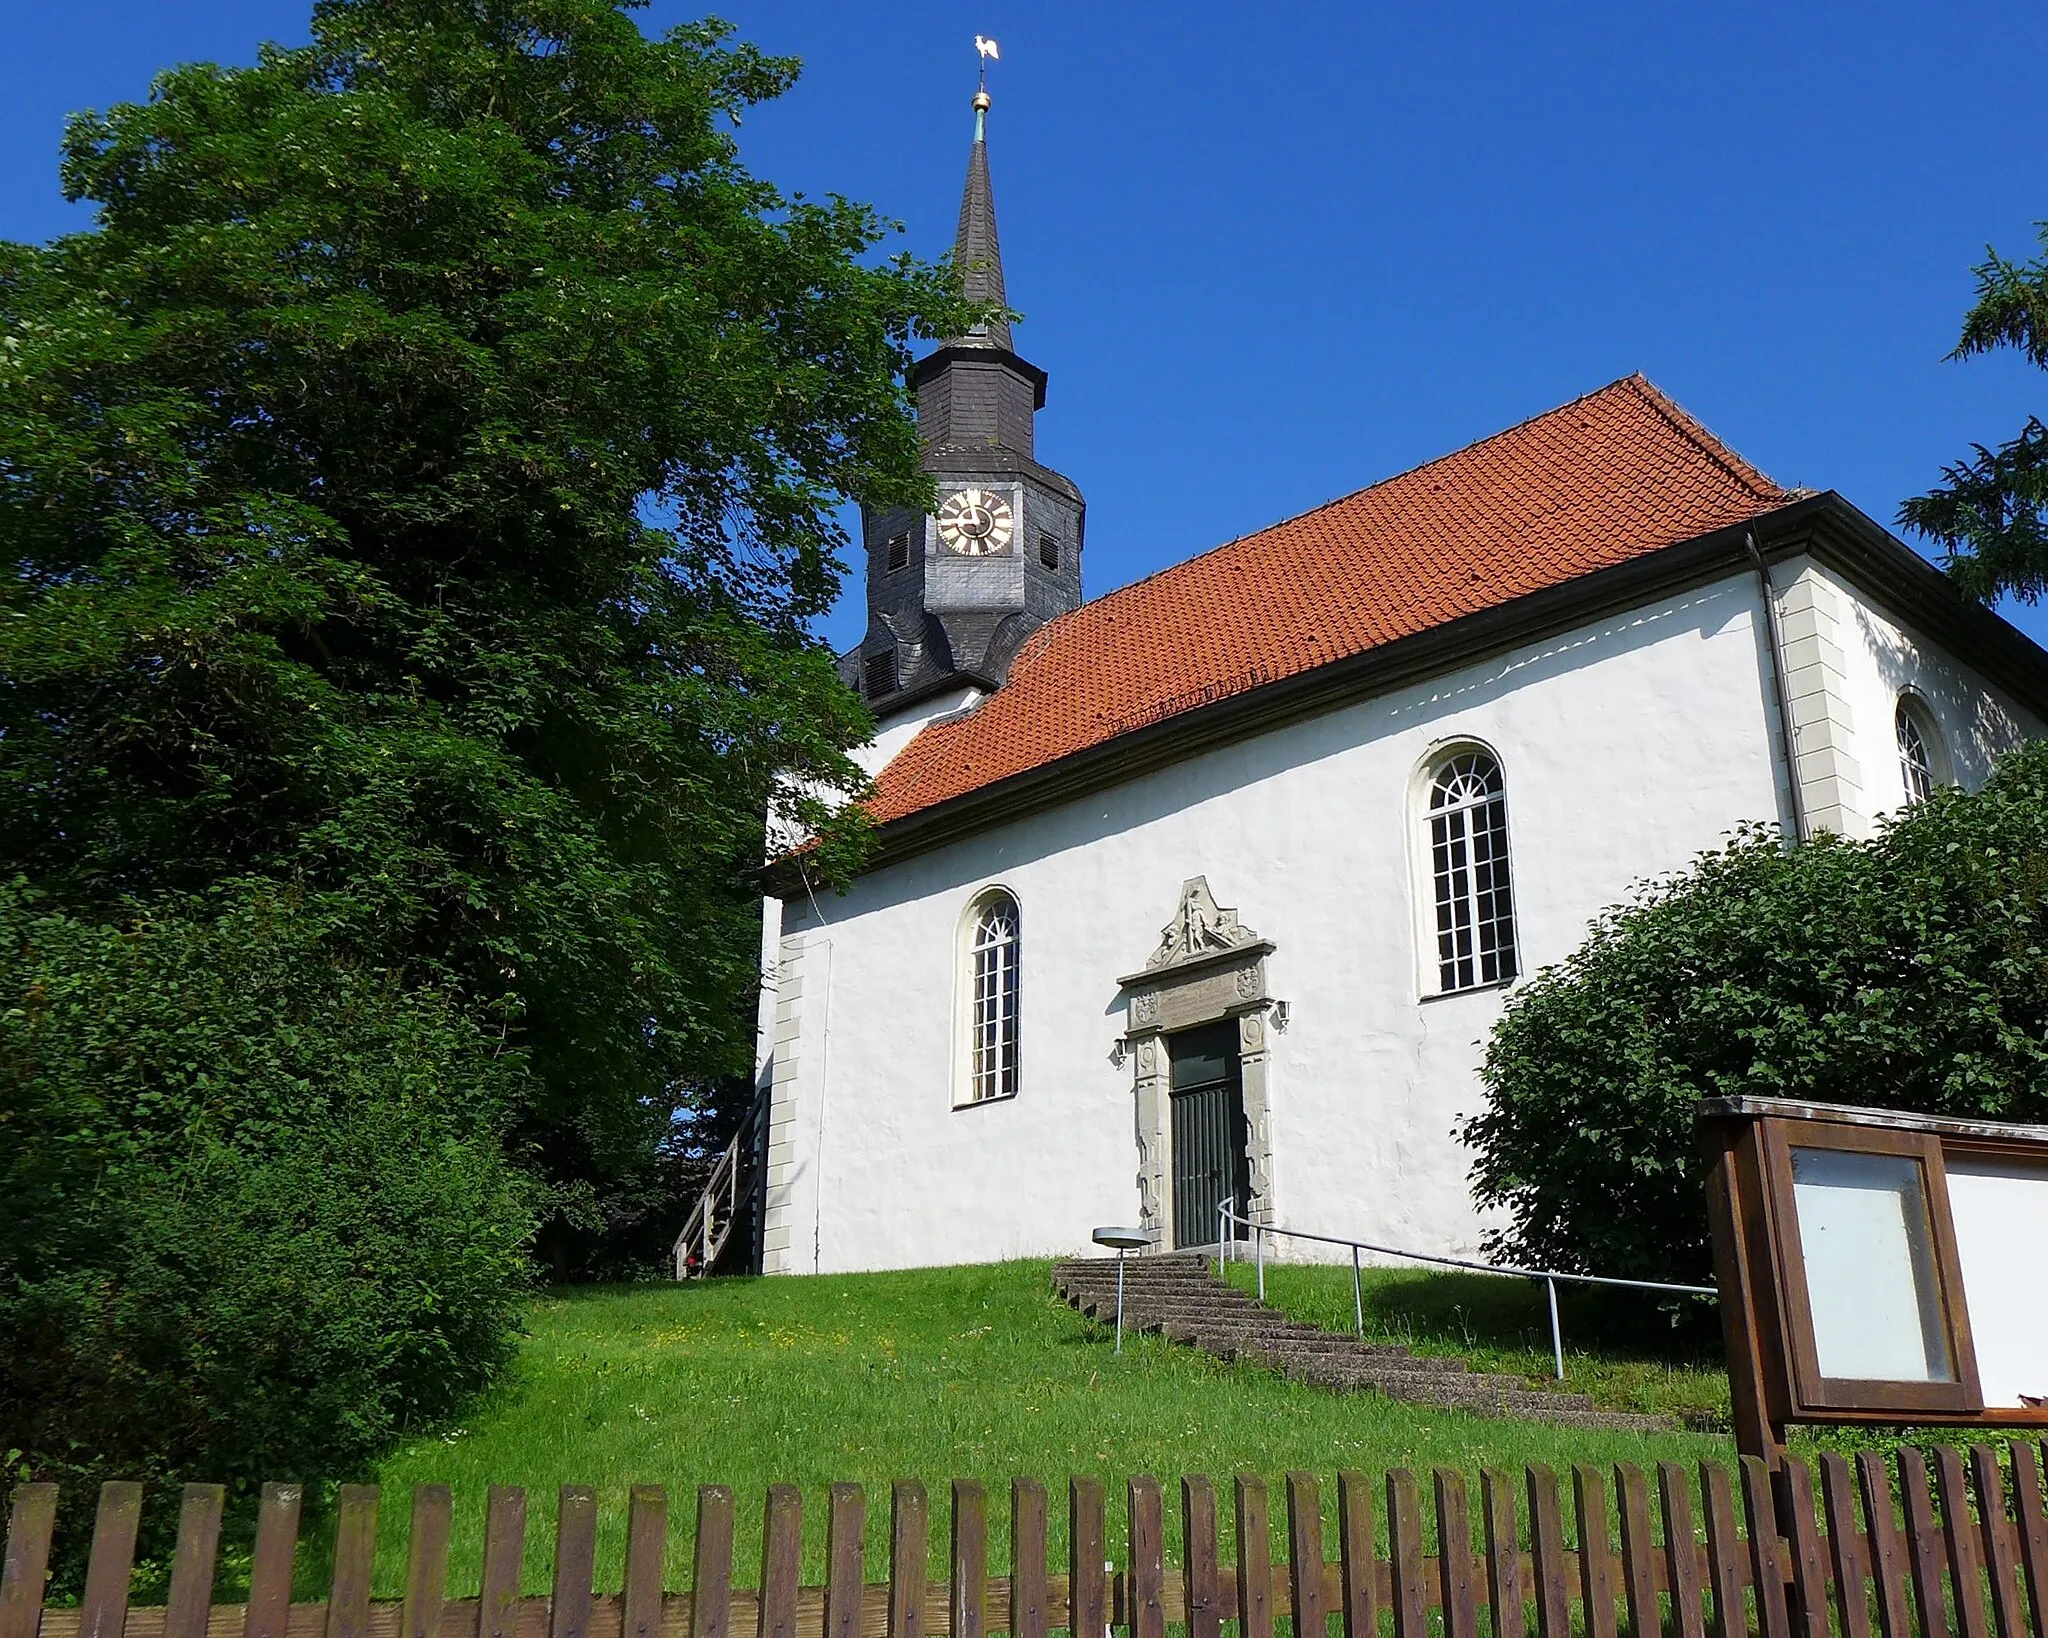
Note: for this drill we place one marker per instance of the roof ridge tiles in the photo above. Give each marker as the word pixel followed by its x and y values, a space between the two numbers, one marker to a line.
pixel 1682 421
pixel 1704 438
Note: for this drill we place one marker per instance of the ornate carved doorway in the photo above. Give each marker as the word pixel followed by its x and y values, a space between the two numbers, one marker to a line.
pixel 1210 1135
pixel 1197 1026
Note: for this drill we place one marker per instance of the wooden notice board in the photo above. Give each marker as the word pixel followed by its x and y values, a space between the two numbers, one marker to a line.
pixel 1877 1267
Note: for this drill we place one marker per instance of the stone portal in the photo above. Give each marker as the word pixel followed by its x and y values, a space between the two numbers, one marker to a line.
pixel 1207 971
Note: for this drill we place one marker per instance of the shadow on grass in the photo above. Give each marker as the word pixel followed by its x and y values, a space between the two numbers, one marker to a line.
pixel 1487 1311
pixel 1631 1350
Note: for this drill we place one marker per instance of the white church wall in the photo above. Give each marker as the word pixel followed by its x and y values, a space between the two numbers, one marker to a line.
pixel 1831 775
pixel 894 732
pixel 764 1007
pixel 1628 746
pixel 1885 658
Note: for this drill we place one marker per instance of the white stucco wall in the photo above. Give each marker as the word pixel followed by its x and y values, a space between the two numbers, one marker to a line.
pixel 1628 746
pixel 892 733
pixel 1884 658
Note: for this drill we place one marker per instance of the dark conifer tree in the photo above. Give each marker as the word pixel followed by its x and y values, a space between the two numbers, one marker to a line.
pixel 1991 512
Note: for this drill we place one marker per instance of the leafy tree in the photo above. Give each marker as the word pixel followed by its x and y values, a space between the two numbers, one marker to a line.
pixel 1906 972
pixel 259 1216
pixel 1992 513
pixel 417 488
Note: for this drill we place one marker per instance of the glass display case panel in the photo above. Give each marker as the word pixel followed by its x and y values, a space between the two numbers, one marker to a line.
pixel 2000 1208
pixel 1869 1264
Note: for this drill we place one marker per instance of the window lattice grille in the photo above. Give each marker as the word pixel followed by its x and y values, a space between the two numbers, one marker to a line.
pixel 1468 840
pixel 1916 761
pixel 992 1067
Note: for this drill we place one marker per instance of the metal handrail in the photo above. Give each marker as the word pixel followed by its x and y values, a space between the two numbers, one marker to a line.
pixel 1226 1217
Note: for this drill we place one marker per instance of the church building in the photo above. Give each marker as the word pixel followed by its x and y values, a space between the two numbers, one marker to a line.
pixel 1209 890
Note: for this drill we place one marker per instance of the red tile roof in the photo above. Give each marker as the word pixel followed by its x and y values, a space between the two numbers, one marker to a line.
pixel 1612 476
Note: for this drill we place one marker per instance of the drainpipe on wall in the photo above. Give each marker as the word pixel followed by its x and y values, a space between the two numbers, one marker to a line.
pixel 1775 641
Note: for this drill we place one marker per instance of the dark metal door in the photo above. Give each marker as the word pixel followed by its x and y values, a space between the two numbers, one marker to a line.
pixel 1209 1133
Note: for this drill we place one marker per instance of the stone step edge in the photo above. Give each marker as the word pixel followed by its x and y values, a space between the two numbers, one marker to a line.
pixel 1163 1299
pixel 1190 1292
pixel 1216 1340
pixel 1619 1421
pixel 1453 1383
pixel 1151 1319
pixel 1325 1353
pixel 1282 1341
pixel 1446 1389
pixel 1157 1293
pixel 1189 1308
pixel 1451 1390
pixel 1105 1302
pixel 1315 1359
pixel 1214 1333
pixel 1210 1299
pixel 1223 1295
pixel 1219 1335
pixel 1209 1320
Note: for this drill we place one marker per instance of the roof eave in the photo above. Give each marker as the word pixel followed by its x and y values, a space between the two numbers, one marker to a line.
pixel 1864 552
pixel 1826 526
pixel 961 352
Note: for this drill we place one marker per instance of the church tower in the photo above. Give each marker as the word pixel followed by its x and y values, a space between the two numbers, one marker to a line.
pixel 952 597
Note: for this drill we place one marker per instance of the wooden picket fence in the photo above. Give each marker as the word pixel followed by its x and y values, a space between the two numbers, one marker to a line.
pixel 1964 1558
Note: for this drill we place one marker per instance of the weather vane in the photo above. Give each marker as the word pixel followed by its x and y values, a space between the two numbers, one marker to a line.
pixel 984 48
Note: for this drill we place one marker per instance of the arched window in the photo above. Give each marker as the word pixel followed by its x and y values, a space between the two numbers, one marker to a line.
pixel 1468 853
pixel 1921 761
pixel 992 990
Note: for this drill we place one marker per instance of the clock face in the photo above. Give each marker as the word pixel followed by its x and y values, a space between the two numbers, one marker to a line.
pixel 976 522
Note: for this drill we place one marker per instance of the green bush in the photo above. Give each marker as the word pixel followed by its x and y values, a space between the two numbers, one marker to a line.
pixel 1906 972
pixel 258 1217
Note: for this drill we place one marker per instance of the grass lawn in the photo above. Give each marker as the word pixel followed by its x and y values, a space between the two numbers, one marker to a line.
pixel 977 1371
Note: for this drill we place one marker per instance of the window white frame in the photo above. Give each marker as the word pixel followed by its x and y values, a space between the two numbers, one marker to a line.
pixel 1467 933
pixel 1922 750
pixel 988 988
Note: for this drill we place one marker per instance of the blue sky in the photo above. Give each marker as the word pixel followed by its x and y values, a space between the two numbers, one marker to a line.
pixel 1272 254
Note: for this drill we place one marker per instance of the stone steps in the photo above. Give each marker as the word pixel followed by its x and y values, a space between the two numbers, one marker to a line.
pixel 1176 1296
pixel 1361 1356
pixel 1186 1288
pixel 1237 1315
pixel 1162 1291
pixel 1237 1342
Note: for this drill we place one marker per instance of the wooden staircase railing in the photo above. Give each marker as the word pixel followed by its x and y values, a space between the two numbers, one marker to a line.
pixel 708 1229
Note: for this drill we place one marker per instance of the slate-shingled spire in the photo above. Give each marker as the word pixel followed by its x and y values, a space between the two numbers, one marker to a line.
pixel 941 616
pixel 977 252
